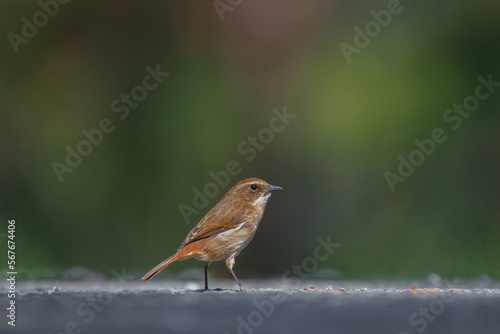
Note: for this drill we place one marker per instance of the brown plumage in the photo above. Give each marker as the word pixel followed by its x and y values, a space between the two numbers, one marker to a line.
pixel 226 229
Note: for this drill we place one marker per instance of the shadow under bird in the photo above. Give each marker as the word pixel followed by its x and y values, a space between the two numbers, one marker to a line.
pixel 226 229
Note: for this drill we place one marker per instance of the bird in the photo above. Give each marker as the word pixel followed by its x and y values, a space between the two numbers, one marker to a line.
pixel 226 229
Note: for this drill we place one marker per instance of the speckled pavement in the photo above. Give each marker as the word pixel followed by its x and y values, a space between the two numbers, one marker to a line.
pixel 268 306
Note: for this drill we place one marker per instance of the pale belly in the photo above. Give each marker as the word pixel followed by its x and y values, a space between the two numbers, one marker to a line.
pixel 227 244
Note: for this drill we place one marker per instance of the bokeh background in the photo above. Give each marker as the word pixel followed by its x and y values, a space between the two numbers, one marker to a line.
pixel 119 208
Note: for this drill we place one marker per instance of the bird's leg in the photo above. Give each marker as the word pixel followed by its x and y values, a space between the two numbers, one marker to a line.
pixel 206 275
pixel 230 263
pixel 242 289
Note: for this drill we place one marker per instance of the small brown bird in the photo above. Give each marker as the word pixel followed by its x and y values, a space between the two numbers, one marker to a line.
pixel 226 229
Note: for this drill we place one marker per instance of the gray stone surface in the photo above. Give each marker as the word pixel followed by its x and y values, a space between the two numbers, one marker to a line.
pixel 269 306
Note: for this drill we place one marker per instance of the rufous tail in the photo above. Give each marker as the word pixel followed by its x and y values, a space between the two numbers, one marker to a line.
pixel 184 253
pixel 152 273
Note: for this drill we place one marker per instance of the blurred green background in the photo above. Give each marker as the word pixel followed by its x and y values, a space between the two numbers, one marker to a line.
pixel 119 208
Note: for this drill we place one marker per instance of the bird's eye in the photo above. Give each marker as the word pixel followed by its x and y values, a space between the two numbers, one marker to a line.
pixel 253 187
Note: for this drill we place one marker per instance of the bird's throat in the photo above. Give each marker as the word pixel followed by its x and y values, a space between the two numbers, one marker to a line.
pixel 262 200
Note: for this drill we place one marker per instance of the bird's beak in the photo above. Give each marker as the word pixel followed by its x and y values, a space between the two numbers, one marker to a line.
pixel 272 188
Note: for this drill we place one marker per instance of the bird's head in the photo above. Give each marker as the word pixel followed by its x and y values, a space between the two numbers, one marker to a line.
pixel 254 191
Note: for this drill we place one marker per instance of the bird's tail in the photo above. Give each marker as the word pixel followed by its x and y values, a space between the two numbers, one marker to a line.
pixel 152 273
pixel 184 253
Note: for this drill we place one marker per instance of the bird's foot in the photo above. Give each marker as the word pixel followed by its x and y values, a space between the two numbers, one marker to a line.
pixel 206 290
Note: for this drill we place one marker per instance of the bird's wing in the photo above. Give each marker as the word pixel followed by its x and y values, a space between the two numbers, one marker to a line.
pixel 213 223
